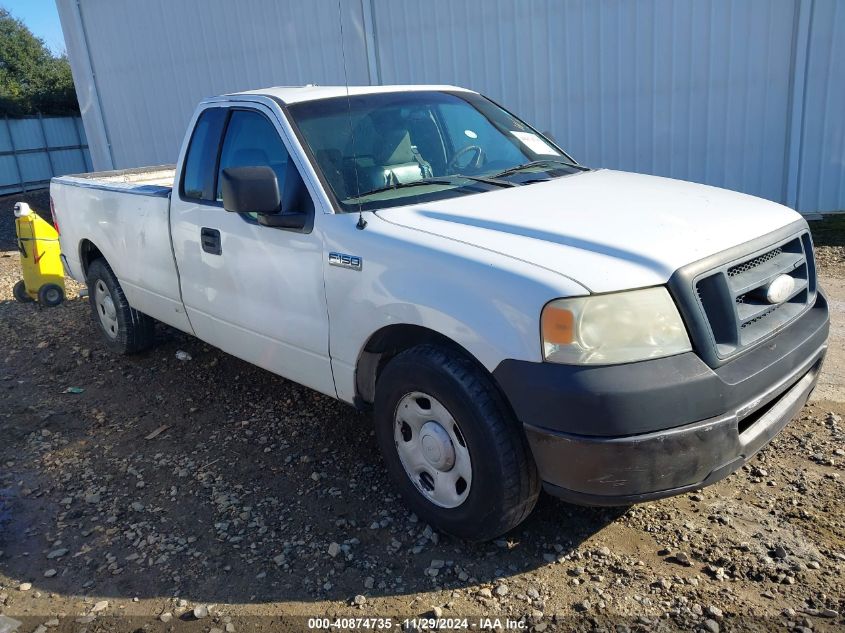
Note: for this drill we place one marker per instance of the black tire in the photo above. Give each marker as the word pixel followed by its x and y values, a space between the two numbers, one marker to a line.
pixel 51 295
pixel 134 331
pixel 505 484
pixel 20 293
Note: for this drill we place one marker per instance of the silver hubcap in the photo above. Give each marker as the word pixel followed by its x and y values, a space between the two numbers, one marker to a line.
pixel 105 309
pixel 432 450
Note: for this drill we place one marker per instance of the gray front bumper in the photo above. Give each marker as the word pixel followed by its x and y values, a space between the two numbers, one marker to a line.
pixel 623 470
pixel 620 434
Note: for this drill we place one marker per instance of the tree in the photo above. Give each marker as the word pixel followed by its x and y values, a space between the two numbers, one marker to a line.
pixel 32 79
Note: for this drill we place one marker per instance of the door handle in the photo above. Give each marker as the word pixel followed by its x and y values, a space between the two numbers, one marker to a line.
pixel 210 239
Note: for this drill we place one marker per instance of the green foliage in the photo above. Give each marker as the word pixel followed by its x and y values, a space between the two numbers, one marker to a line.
pixel 32 80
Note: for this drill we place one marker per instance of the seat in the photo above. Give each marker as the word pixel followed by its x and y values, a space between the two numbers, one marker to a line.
pixel 382 154
pixel 396 160
pixel 425 135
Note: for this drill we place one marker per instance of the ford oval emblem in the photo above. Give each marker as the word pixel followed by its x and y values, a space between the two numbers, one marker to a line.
pixel 779 289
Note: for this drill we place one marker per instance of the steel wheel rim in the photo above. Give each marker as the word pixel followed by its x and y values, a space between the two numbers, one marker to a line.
pixel 105 309
pixel 432 450
pixel 52 295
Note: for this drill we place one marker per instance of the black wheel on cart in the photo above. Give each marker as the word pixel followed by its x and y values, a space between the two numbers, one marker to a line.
pixel 20 293
pixel 51 295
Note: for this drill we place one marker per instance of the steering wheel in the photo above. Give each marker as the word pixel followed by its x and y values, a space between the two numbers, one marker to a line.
pixel 474 163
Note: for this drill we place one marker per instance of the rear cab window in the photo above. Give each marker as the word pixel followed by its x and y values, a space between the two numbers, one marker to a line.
pixel 198 173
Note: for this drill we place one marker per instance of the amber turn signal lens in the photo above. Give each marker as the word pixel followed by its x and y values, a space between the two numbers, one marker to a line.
pixel 558 326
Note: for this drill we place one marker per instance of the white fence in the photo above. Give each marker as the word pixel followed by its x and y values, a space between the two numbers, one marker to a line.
pixel 34 149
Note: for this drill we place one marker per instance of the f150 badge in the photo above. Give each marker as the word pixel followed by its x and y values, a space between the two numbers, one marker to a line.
pixel 345 261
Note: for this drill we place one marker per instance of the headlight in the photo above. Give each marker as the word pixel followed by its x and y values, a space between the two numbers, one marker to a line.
pixel 614 328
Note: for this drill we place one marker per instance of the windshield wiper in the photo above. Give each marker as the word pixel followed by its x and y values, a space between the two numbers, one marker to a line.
pixel 435 181
pixel 538 163
pixel 490 180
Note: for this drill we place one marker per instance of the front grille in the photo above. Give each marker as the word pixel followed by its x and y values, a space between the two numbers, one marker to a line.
pixel 733 296
pixel 733 271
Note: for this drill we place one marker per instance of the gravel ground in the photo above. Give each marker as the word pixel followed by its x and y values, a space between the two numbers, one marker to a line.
pixel 148 492
pixel 829 237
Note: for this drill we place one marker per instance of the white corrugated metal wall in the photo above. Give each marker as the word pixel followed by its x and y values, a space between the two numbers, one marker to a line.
pixel 820 182
pixel 145 65
pixel 744 94
pixel 690 90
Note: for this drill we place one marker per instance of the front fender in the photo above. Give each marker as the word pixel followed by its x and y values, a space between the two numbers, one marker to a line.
pixel 486 302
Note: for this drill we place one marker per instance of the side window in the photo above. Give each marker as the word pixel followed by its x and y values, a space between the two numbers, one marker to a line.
pixel 198 174
pixel 252 141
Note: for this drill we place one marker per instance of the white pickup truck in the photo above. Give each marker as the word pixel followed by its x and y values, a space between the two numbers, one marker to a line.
pixel 513 319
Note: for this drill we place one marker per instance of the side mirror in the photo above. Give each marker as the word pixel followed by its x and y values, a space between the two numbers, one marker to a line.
pixel 251 190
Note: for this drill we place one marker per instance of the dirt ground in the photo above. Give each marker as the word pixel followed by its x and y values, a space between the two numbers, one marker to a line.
pixel 151 493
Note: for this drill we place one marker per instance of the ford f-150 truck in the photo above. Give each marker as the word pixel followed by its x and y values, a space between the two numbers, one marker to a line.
pixel 513 319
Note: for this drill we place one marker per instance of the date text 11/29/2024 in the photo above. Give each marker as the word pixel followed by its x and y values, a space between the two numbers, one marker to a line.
pixel 416 624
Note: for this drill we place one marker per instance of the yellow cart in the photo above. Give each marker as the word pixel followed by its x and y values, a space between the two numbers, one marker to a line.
pixel 43 274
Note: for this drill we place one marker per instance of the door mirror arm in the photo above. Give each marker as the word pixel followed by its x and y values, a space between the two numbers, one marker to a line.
pixel 283 220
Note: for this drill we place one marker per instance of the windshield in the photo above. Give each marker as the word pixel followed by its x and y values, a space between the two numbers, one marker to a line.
pixel 390 149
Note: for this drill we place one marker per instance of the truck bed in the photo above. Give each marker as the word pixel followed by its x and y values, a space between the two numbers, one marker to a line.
pixel 156 180
pixel 125 216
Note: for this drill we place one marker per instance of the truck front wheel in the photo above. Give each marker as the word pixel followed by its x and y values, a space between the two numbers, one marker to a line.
pixel 452 446
pixel 126 330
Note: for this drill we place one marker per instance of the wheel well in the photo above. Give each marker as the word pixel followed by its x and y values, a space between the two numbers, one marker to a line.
pixel 88 252
pixel 387 343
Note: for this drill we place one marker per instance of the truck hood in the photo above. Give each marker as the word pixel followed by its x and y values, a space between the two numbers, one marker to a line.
pixel 607 230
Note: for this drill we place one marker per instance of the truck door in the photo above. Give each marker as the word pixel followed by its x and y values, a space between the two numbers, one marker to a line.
pixel 254 291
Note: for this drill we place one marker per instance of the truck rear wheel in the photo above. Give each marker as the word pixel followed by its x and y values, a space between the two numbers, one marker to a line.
pixel 126 330
pixel 452 446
